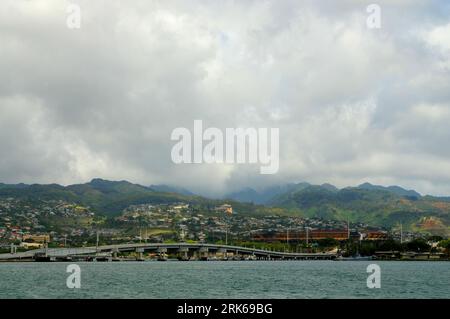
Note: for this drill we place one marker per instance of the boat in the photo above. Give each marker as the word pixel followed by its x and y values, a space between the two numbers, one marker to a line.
pixel 103 259
pixel 354 258
pixel 41 257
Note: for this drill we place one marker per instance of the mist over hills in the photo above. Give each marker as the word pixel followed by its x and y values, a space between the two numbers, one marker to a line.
pixel 264 196
pixel 171 189
pixel 269 195
pixel 372 204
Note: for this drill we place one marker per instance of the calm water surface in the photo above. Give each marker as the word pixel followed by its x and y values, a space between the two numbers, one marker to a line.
pixel 232 279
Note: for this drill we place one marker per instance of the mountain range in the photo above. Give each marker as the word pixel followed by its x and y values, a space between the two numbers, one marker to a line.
pixel 371 204
pixel 269 195
pixel 104 197
pixel 367 203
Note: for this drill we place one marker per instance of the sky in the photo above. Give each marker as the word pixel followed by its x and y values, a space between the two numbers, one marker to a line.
pixel 353 104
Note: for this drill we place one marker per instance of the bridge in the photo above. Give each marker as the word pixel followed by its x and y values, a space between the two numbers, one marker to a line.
pixel 184 251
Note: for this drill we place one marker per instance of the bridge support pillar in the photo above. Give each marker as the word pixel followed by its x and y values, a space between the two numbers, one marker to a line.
pixel 183 253
pixel 139 253
pixel 162 253
pixel 115 253
pixel 223 253
pixel 203 253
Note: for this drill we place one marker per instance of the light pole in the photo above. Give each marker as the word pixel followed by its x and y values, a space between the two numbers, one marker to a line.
pixel 96 244
pixel 226 233
pixel 348 229
pixel 307 235
pixel 401 233
pixel 226 229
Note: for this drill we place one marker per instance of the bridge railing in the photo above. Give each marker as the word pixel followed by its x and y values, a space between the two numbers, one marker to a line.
pixel 64 252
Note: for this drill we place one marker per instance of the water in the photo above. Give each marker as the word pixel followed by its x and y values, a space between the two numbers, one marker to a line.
pixel 230 279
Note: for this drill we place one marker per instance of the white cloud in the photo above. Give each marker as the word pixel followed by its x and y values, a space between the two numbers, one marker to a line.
pixel 352 104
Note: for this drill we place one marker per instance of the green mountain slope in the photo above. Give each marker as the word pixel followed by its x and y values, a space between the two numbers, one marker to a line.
pixel 104 197
pixel 375 206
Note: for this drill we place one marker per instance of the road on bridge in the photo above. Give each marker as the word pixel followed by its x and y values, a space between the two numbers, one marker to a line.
pixel 165 247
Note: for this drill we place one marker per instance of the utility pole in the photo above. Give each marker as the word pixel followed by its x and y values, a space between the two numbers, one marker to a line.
pixel 401 233
pixel 226 230
pixel 287 235
pixel 96 244
pixel 348 228
pixel 307 235
pixel 226 234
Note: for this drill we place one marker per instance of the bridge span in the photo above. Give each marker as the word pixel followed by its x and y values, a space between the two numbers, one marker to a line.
pixel 184 250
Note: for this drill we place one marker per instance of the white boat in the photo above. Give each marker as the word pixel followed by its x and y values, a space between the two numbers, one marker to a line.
pixel 354 258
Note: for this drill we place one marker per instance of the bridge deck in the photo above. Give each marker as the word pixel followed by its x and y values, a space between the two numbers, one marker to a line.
pixel 66 252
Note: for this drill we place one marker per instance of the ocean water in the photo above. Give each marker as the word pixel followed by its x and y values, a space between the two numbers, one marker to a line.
pixel 227 279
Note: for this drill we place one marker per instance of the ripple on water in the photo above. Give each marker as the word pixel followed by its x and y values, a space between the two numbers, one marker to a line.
pixel 233 279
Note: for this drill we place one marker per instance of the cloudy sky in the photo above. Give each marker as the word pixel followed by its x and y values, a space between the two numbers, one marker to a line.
pixel 353 104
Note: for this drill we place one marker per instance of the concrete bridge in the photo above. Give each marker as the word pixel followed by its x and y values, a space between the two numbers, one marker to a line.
pixel 183 250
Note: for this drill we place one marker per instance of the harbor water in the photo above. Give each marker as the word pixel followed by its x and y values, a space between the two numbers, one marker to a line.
pixel 227 279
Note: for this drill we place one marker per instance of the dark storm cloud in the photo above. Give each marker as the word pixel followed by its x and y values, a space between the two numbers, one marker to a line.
pixel 352 104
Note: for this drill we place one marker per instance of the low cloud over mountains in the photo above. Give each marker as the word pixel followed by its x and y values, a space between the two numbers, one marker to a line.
pixel 353 104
